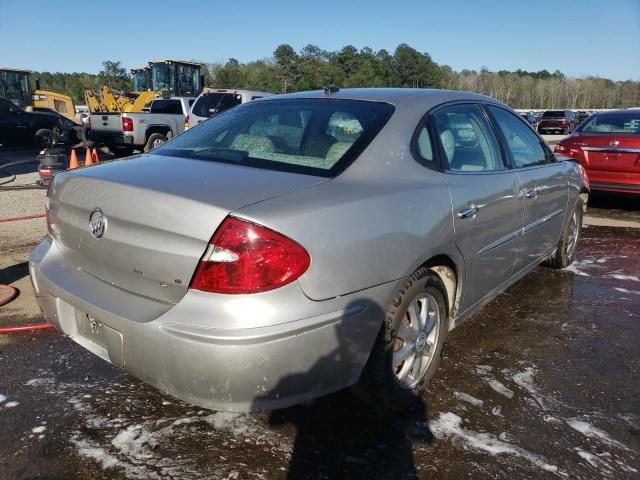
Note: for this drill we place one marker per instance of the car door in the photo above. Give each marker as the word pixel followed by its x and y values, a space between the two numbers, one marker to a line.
pixel 487 212
pixel 14 124
pixel 544 191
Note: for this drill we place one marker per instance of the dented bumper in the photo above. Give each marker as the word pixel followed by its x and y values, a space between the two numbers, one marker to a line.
pixel 224 352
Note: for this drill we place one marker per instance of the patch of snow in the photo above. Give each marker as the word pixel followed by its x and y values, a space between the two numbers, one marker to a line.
pixel 2 398
pixel 11 404
pixel 449 425
pixel 594 460
pixel 500 388
pixel 39 429
pixel 575 269
pixel 590 431
pixel 483 369
pixel 465 397
pixel 497 411
pixel 617 276
pixel 626 290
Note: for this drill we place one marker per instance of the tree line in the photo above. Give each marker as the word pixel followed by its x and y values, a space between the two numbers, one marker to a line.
pixel 313 68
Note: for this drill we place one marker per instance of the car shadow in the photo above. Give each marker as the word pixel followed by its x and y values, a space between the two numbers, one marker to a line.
pixel 13 273
pixel 339 436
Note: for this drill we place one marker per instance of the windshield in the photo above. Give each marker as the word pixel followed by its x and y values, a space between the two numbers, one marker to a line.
pixel 553 114
pixel 188 79
pixel 208 104
pixel 15 86
pixel 163 77
pixel 613 123
pixel 141 81
pixel 312 136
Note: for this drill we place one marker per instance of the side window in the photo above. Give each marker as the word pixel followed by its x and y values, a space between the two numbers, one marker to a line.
pixel 524 145
pixel 423 146
pixel 229 101
pixel 467 140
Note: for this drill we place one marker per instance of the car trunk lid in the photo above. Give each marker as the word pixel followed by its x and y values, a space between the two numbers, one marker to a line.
pixel 612 153
pixel 160 215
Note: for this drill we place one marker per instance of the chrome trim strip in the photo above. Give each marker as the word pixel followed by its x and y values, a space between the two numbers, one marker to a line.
pixel 519 232
pixel 611 149
pixel 542 220
pixel 500 241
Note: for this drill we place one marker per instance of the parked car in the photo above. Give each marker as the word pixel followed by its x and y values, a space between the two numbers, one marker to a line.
pixel 217 100
pixel 124 132
pixel 558 121
pixel 581 116
pixel 607 145
pixel 303 243
pixel 530 117
pixel 21 128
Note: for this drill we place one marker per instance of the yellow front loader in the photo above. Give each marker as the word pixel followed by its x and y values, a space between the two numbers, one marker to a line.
pixel 160 78
pixel 15 86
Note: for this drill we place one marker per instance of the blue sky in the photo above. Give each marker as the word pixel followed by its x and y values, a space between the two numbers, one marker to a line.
pixel 579 37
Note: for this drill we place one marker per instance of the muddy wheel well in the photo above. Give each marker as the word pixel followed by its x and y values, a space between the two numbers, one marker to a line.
pixel 446 269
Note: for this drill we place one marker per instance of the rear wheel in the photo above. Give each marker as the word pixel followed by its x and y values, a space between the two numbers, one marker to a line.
pixel 154 140
pixel 565 251
pixel 408 348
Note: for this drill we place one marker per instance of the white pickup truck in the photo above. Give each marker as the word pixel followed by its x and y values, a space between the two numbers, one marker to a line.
pixel 125 132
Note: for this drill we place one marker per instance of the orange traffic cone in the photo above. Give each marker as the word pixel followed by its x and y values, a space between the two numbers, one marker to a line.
pixel 73 161
pixel 87 158
pixel 94 156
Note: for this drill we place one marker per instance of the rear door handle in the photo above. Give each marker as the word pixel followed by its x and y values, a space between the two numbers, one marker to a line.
pixel 468 212
pixel 533 193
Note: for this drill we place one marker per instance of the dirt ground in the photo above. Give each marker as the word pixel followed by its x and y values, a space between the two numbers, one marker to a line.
pixel 541 383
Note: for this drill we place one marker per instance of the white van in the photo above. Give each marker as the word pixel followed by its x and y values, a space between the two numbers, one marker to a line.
pixel 216 100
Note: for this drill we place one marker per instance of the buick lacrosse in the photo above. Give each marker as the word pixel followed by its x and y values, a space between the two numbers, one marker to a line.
pixel 303 243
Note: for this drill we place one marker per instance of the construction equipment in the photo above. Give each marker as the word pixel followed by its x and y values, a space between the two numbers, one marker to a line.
pixel 160 79
pixel 15 86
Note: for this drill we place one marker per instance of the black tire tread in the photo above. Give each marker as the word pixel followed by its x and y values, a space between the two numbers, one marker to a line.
pixel 377 385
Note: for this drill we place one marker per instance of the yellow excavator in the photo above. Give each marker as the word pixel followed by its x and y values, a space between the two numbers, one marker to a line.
pixel 15 86
pixel 161 78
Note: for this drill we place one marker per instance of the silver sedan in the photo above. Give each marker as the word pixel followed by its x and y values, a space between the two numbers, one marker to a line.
pixel 304 243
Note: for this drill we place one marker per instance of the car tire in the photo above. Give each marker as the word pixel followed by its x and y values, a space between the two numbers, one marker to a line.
pixel 380 384
pixel 121 152
pixel 154 140
pixel 42 138
pixel 565 251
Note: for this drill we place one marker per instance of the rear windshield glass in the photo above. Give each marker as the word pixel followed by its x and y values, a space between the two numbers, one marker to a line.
pixel 623 123
pixel 166 106
pixel 211 103
pixel 312 136
pixel 553 114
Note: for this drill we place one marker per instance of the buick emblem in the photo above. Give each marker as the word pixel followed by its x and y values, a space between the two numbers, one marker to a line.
pixel 97 223
pixel 614 143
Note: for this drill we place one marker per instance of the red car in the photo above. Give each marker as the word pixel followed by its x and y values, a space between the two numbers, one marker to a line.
pixel 607 145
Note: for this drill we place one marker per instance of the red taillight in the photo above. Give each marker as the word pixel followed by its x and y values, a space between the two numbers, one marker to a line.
pixel 584 178
pixel 45 171
pixel 127 124
pixel 243 257
pixel 563 120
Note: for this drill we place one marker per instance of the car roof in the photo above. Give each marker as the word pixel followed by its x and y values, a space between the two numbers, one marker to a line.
pixel 618 112
pixel 394 96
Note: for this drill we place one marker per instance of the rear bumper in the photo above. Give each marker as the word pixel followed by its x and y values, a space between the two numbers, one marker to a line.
pixel 206 349
pixel 110 138
pixel 614 182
